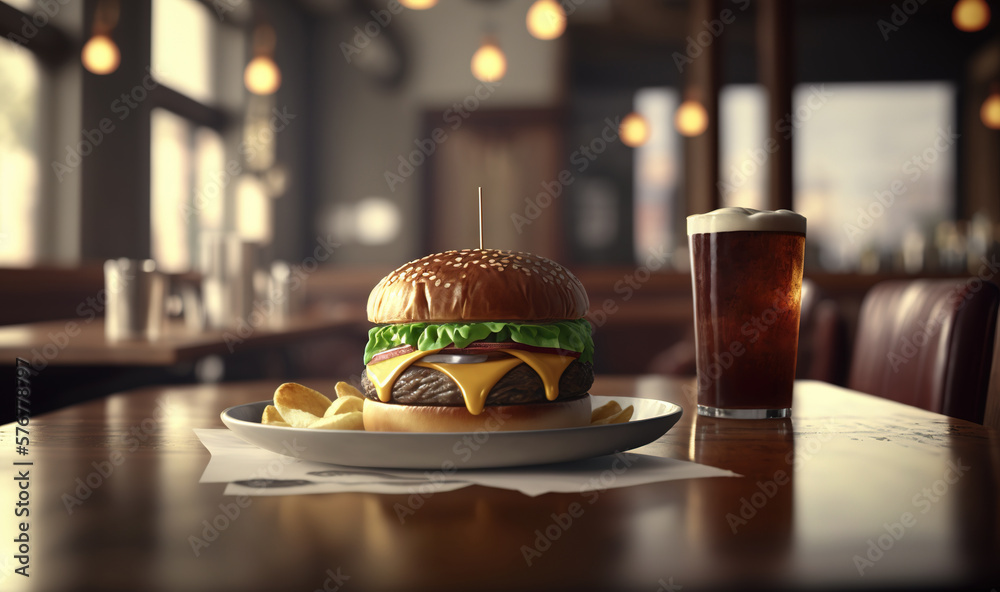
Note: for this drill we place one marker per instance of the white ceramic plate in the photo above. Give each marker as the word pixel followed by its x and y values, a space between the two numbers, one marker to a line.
pixel 473 450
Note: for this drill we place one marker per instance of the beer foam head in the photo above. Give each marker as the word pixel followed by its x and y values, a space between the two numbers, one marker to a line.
pixel 737 219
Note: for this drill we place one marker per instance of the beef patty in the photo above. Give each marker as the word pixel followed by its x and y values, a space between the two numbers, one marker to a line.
pixel 418 385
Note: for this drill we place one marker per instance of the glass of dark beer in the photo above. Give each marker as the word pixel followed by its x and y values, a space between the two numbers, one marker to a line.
pixel 746 273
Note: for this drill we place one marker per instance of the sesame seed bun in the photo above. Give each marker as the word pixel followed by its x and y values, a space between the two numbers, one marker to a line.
pixel 478 285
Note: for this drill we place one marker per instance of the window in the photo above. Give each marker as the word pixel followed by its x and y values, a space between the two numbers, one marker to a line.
pixel 194 190
pixel 861 151
pixel 20 79
pixel 211 179
pixel 657 173
pixel 25 6
pixel 874 167
pixel 743 146
pixel 183 43
pixel 170 181
pixel 187 188
pixel 253 210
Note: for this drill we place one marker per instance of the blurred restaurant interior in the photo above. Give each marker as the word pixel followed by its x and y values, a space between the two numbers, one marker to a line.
pixel 276 159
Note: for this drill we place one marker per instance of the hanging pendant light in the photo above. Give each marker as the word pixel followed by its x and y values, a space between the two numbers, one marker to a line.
pixel 418 4
pixel 489 64
pixel 691 118
pixel 262 75
pixel 633 130
pixel 546 20
pixel 100 54
pixel 971 15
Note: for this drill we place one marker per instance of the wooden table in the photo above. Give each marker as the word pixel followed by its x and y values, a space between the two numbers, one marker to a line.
pixel 820 493
pixel 79 342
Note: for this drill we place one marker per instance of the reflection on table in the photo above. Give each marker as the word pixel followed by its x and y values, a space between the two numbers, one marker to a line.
pixel 818 491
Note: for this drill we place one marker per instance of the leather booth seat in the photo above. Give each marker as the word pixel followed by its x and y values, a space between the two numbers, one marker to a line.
pixel 928 343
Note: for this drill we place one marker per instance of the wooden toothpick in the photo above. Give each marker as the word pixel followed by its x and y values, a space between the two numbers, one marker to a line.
pixel 480 218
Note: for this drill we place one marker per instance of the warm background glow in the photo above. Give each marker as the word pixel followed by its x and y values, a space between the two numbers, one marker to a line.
pixel 691 119
pixel 262 76
pixel 971 15
pixel 546 19
pixel 990 111
pixel 100 55
pixel 376 221
pixel 634 130
pixel 489 63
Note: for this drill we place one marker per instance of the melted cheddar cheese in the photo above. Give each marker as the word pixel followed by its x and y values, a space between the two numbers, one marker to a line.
pixel 384 374
pixel 474 380
pixel 549 366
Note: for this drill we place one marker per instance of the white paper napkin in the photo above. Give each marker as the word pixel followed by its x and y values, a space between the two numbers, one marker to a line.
pixel 250 470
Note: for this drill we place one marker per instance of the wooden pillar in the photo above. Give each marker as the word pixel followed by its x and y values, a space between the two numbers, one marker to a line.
pixel 701 153
pixel 774 54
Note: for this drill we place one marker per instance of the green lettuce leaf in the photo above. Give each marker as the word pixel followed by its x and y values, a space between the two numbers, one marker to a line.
pixel 568 335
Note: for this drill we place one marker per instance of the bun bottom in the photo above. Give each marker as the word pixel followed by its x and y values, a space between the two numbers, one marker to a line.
pixel 387 417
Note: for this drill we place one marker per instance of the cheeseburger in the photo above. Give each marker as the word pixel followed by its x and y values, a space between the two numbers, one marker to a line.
pixel 478 339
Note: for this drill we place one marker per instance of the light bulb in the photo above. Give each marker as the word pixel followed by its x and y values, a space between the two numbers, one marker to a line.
pixel 262 76
pixel 489 63
pixel 691 119
pixel 970 15
pixel 418 4
pixel 100 55
pixel 634 130
pixel 546 19
pixel 990 111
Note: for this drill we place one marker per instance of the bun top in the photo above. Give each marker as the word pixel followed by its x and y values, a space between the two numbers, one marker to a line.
pixel 735 219
pixel 478 285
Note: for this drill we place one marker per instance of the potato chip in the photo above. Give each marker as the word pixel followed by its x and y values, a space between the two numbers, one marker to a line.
pixel 291 396
pixel 347 390
pixel 297 418
pixel 272 417
pixel 345 404
pixel 341 421
pixel 606 410
pixel 299 406
pixel 621 416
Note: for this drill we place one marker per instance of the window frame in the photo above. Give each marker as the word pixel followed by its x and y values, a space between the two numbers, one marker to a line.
pixel 51 43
